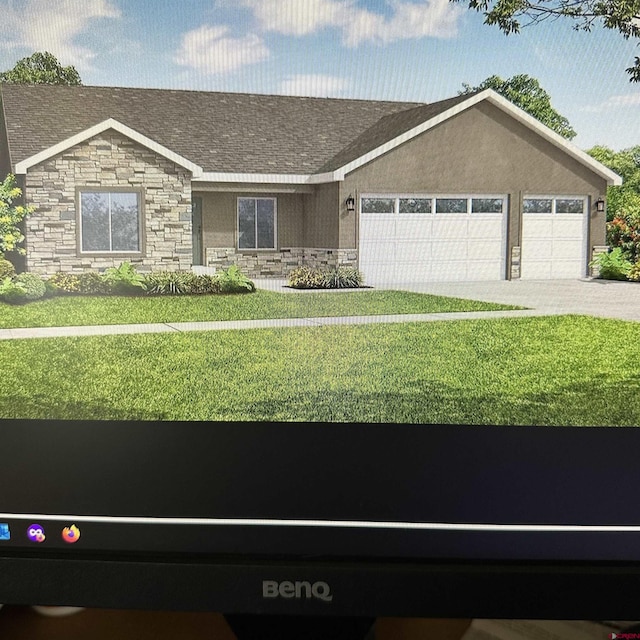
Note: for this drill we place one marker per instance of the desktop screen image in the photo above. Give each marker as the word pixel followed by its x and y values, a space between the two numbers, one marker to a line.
pixel 312 283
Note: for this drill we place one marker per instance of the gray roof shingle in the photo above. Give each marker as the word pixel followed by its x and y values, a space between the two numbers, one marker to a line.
pixel 221 132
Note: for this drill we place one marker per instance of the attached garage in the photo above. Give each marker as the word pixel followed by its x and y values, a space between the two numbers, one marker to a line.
pixel 422 238
pixel 554 237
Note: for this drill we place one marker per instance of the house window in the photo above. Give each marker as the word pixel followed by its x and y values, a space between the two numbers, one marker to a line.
pixel 110 221
pixel 256 223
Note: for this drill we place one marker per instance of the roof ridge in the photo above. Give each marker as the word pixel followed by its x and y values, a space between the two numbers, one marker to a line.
pixel 211 92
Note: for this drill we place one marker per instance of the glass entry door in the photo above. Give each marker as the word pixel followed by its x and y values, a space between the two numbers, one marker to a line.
pixel 196 230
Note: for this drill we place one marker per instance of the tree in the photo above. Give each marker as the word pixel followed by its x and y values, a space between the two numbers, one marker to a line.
pixel 526 92
pixel 41 68
pixel 623 202
pixel 11 215
pixel 510 15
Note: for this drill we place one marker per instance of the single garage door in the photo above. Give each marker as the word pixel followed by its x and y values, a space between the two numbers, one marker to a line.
pixel 554 238
pixel 408 239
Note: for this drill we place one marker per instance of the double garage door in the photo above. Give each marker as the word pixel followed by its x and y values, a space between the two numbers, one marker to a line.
pixel 409 239
pixel 424 239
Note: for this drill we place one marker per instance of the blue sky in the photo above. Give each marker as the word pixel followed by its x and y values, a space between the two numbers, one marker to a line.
pixel 410 50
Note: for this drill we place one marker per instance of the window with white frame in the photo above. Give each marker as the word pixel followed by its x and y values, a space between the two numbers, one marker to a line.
pixel 256 223
pixel 110 221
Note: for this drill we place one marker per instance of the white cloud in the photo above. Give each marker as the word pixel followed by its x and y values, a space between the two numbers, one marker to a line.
pixel 615 102
pixel 318 85
pixel 212 50
pixel 53 25
pixel 408 19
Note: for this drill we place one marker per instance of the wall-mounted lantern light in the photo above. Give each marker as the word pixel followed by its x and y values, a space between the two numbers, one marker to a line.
pixel 351 204
pixel 600 205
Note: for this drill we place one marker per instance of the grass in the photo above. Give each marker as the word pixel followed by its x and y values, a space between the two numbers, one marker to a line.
pixel 92 310
pixel 537 371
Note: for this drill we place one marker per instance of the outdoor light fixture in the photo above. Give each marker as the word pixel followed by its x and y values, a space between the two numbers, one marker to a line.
pixel 600 205
pixel 351 204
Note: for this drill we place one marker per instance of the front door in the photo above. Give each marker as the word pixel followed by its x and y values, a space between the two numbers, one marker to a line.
pixel 196 230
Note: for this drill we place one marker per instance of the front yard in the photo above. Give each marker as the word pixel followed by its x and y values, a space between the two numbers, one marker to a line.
pixel 92 310
pixel 538 371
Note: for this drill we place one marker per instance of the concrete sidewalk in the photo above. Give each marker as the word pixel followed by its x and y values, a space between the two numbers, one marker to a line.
pixel 601 298
pixel 180 327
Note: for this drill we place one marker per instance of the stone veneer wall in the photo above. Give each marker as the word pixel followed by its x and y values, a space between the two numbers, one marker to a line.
pixel 108 160
pixel 516 254
pixel 278 264
pixel 594 271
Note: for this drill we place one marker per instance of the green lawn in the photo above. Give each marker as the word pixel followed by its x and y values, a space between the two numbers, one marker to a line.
pixel 81 310
pixel 565 370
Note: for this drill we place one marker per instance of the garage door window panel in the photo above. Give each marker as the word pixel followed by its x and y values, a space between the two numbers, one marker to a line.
pixel 570 205
pixel 487 205
pixel 451 205
pixel 378 205
pixel 537 205
pixel 414 205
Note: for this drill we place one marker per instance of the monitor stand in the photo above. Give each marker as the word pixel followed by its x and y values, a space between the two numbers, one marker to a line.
pixel 259 627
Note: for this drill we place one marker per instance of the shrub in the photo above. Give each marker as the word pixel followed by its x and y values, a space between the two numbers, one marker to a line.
pixel 612 265
pixel 91 282
pixel 6 269
pixel 306 278
pixel 314 278
pixel 124 279
pixel 65 282
pixel 232 280
pixel 623 232
pixel 343 278
pixel 634 272
pixel 204 284
pixel 12 292
pixel 50 290
pixel 33 285
pixel 169 283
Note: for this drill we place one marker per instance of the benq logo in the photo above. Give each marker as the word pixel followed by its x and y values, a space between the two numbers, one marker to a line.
pixel 298 590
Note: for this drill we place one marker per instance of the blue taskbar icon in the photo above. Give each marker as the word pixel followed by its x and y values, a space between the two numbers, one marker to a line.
pixel 5 534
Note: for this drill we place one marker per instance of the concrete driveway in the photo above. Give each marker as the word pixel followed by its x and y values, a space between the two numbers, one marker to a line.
pixel 603 298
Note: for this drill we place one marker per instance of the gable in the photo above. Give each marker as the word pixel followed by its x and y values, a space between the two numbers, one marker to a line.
pixel 91 132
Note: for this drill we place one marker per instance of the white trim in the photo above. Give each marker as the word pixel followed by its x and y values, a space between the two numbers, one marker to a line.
pixel 268 178
pixel 339 524
pixel 503 104
pixel 25 165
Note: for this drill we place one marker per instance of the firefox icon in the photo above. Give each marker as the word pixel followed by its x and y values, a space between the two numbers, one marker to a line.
pixel 71 534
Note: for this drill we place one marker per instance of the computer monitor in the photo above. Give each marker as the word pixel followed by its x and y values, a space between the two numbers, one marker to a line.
pixel 456 438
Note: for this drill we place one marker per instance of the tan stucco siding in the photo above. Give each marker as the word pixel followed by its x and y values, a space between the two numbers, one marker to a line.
pixel 220 212
pixel 322 220
pixel 480 151
pixel 109 161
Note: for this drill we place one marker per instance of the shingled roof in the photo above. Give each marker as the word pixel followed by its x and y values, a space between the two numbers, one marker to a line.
pixel 220 132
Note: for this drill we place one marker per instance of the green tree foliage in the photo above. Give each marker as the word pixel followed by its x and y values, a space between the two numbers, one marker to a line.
pixel 41 68
pixel 526 92
pixel 11 215
pixel 511 15
pixel 623 202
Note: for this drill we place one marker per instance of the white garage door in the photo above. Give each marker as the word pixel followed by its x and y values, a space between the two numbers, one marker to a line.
pixel 554 238
pixel 408 239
